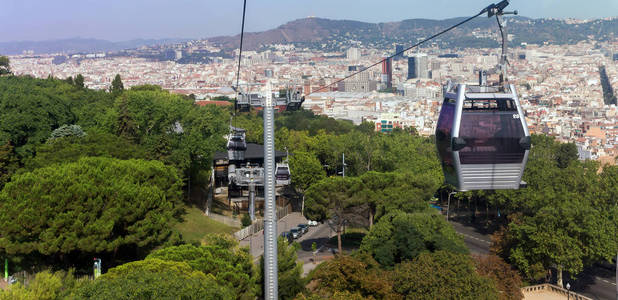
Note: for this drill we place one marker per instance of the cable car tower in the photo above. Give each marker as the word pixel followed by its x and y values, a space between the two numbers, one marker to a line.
pixel 482 136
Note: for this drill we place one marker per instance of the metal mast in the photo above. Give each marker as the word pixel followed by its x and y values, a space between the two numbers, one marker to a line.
pixel 270 216
pixel 498 11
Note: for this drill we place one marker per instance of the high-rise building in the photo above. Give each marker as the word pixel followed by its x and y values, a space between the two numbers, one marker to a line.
pixel 353 54
pixel 387 72
pixel 399 49
pixel 418 66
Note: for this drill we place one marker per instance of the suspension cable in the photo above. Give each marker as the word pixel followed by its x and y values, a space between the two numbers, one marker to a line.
pixel 242 33
pixel 402 51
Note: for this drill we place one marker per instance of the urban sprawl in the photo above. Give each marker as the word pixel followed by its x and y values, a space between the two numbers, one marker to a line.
pixel 560 86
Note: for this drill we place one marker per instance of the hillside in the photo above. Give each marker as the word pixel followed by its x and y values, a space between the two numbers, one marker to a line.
pixel 318 33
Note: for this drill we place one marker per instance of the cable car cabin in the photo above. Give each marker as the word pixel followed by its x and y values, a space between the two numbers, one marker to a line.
pixel 236 144
pixel 482 138
pixel 282 174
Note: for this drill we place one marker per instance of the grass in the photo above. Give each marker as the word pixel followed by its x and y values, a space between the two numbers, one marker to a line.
pixel 196 225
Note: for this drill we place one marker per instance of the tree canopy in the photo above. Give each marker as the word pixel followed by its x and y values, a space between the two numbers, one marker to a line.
pixel 400 236
pixel 155 279
pixel 93 205
pixel 230 265
pixel 442 275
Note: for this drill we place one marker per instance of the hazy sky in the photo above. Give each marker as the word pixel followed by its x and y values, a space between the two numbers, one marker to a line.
pixel 118 20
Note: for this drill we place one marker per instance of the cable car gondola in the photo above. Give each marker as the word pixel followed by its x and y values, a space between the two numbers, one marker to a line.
pixel 282 174
pixel 236 144
pixel 482 138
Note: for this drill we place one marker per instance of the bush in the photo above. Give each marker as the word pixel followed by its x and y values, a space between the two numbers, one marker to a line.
pixel 245 220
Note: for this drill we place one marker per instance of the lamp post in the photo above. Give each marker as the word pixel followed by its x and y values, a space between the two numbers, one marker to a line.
pixel 568 287
pixel 448 205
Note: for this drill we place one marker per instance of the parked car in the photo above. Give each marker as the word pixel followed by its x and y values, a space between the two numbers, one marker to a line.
pixel 312 223
pixel 287 235
pixel 296 232
pixel 304 227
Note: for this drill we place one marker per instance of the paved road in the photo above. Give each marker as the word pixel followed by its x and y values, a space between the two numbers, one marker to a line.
pixel 595 282
pixel 318 234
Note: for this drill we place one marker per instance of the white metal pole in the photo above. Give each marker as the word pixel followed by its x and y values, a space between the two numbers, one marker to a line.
pixel 270 219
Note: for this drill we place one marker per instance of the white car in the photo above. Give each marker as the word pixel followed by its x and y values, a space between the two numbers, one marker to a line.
pixel 312 223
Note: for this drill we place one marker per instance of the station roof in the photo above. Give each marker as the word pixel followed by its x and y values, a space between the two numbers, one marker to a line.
pixel 254 151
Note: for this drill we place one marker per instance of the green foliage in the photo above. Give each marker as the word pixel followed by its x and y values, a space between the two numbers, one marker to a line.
pixel 565 154
pixel 352 277
pixel 147 87
pixel 117 86
pixel 79 81
pixel 93 205
pixel 67 130
pixel 385 192
pixel 564 218
pixel 290 271
pixel 71 149
pixel 230 265
pixel 334 198
pixel 245 220
pixel 5 67
pixel 155 279
pixel 29 111
pixel 401 236
pixel 562 234
pixel 442 275
pixel 45 286
pixel 8 163
pixel 305 170
pixel 170 127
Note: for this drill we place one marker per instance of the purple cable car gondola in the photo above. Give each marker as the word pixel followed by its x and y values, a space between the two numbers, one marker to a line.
pixel 482 138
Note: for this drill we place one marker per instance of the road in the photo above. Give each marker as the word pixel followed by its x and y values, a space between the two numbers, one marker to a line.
pixel 596 282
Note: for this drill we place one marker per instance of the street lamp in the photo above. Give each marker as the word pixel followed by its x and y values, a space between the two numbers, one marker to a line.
pixel 568 287
pixel 448 205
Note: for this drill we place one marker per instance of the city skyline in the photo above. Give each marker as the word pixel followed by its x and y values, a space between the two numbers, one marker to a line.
pixel 115 21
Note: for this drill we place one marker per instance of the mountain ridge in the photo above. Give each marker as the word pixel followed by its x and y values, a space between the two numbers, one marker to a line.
pixel 476 33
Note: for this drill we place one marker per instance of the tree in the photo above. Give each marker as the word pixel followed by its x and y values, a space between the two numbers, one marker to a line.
pixel 401 236
pixel 221 257
pixel 8 163
pixel 94 205
pixel 71 149
pixel 46 285
pixel 563 235
pixel 67 130
pixel 290 281
pixel 155 279
pixel 30 109
pixel 5 67
pixel 171 128
pixel 385 192
pixel 333 198
pixel 117 86
pixel 353 277
pixel 507 280
pixel 79 81
pixel 565 154
pixel 442 275
pixel 305 170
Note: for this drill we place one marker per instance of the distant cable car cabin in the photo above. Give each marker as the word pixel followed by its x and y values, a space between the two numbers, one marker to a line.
pixel 236 144
pixel 482 138
pixel 282 174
